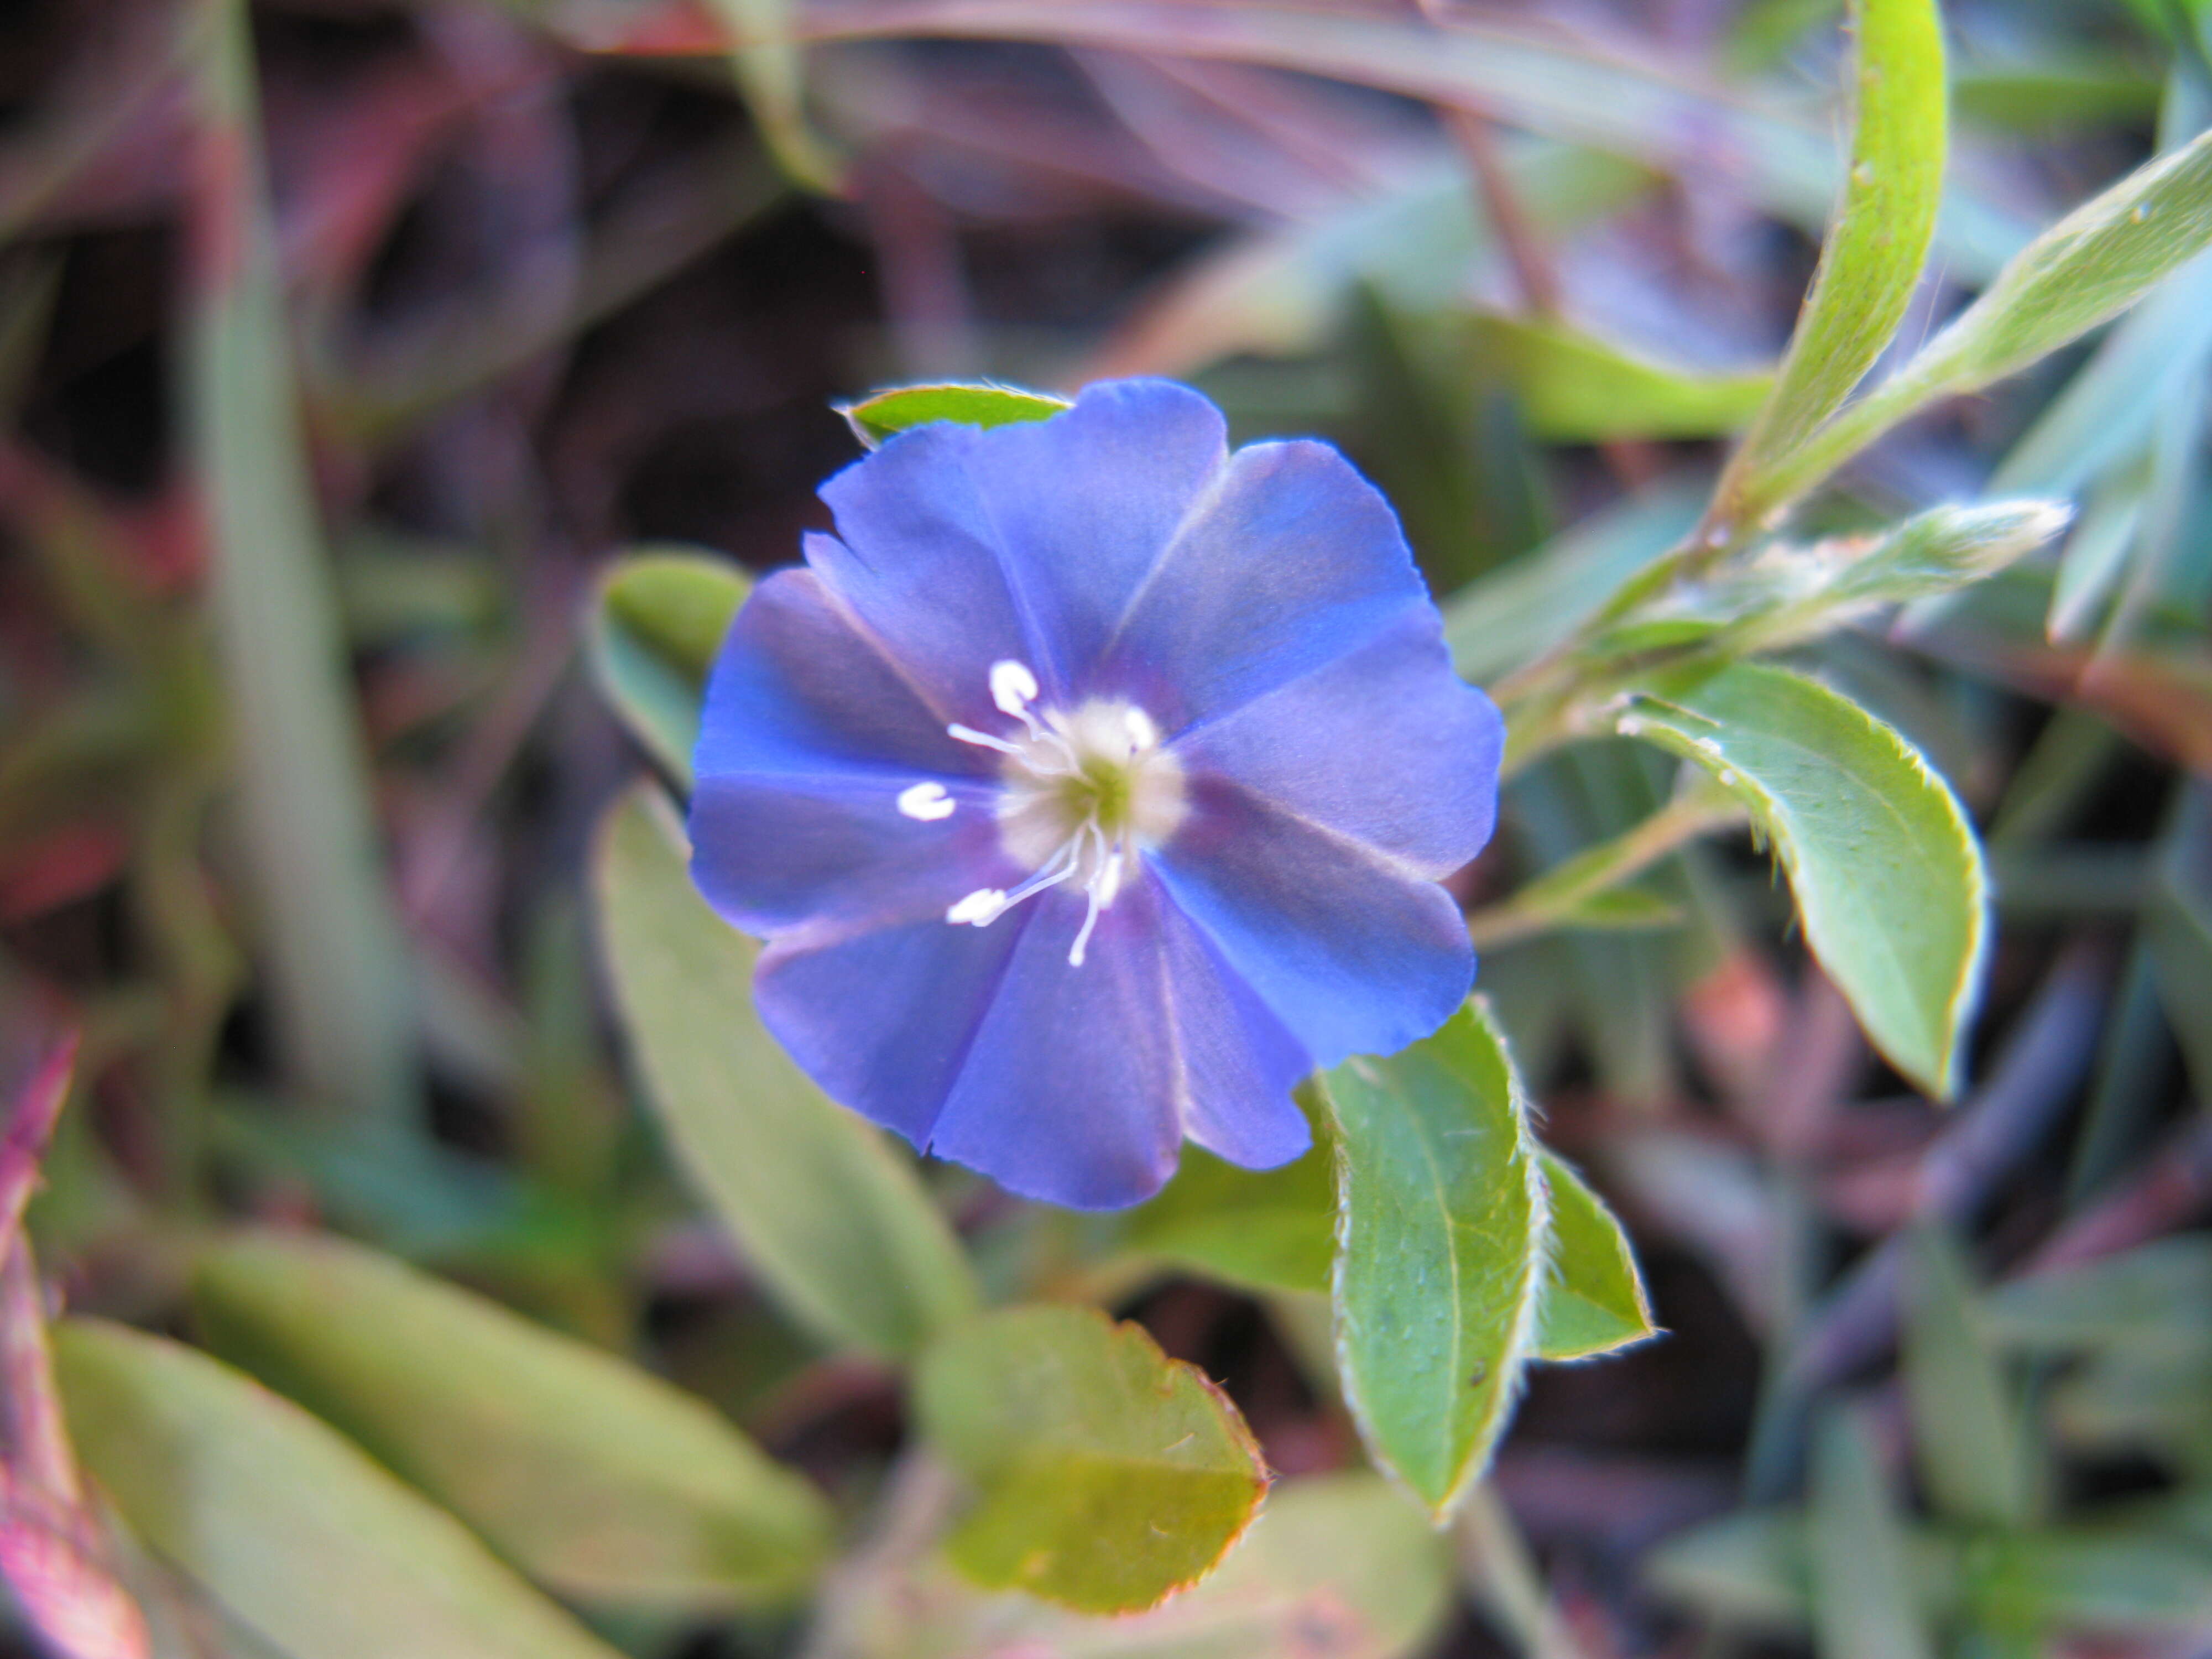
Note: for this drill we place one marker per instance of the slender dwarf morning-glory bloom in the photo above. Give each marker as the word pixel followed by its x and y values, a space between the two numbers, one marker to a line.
pixel 1091 786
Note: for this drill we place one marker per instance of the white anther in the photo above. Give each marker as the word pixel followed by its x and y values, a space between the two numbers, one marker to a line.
pixel 1075 953
pixel 1108 882
pixel 925 801
pixel 1013 688
pixel 979 909
pixel 1143 734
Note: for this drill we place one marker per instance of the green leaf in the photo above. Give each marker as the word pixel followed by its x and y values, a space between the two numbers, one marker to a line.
pixel 1258 1230
pixel 1973 1450
pixel 656 624
pixel 1885 870
pixel 883 415
pixel 1746 1569
pixel 1753 1569
pixel 1109 1475
pixel 1593 1298
pixel 596 1478
pixel 322 1554
pixel 1515 614
pixel 1871 263
pixel 1577 388
pixel 1863 1604
pixel 2120 1581
pixel 2156 1298
pixel 1342 1560
pixel 1789 594
pixel 838 1227
pixel 2085 270
pixel 1440 1267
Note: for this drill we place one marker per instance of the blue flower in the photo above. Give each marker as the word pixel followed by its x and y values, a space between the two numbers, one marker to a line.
pixel 1091 786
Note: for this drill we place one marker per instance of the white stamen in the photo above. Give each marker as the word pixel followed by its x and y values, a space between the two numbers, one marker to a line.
pixel 981 740
pixel 1075 952
pixel 1108 882
pixel 925 801
pixel 1013 688
pixel 1082 791
pixel 1103 887
pixel 981 907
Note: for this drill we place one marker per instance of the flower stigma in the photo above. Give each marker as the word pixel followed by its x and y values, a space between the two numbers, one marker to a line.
pixel 1084 790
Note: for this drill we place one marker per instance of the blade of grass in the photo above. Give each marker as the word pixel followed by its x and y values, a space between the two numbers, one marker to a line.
pixel 332 940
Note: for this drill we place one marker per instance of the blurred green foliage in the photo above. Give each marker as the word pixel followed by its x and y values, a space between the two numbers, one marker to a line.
pixel 378 378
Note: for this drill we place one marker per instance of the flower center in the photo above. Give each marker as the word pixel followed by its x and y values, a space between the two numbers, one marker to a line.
pixel 1084 790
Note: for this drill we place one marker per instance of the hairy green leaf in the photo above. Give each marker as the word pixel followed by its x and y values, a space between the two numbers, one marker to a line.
pixel 1109 1475
pixel 1439 1271
pixel 883 415
pixel 656 623
pixel 1871 263
pixel 291 1527
pixel 2091 265
pixel 837 1225
pixel 1885 869
pixel 1593 1297
pixel 2085 270
pixel 595 1478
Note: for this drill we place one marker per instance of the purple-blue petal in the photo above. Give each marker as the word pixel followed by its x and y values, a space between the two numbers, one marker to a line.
pixel 1354 953
pixel 1073 1084
pixel 1089 500
pixel 918 562
pixel 1385 745
pixel 883 1019
pixel 960 547
pixel 799 688
pixel 1292 560
pixel 772 853
pixel 809 736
